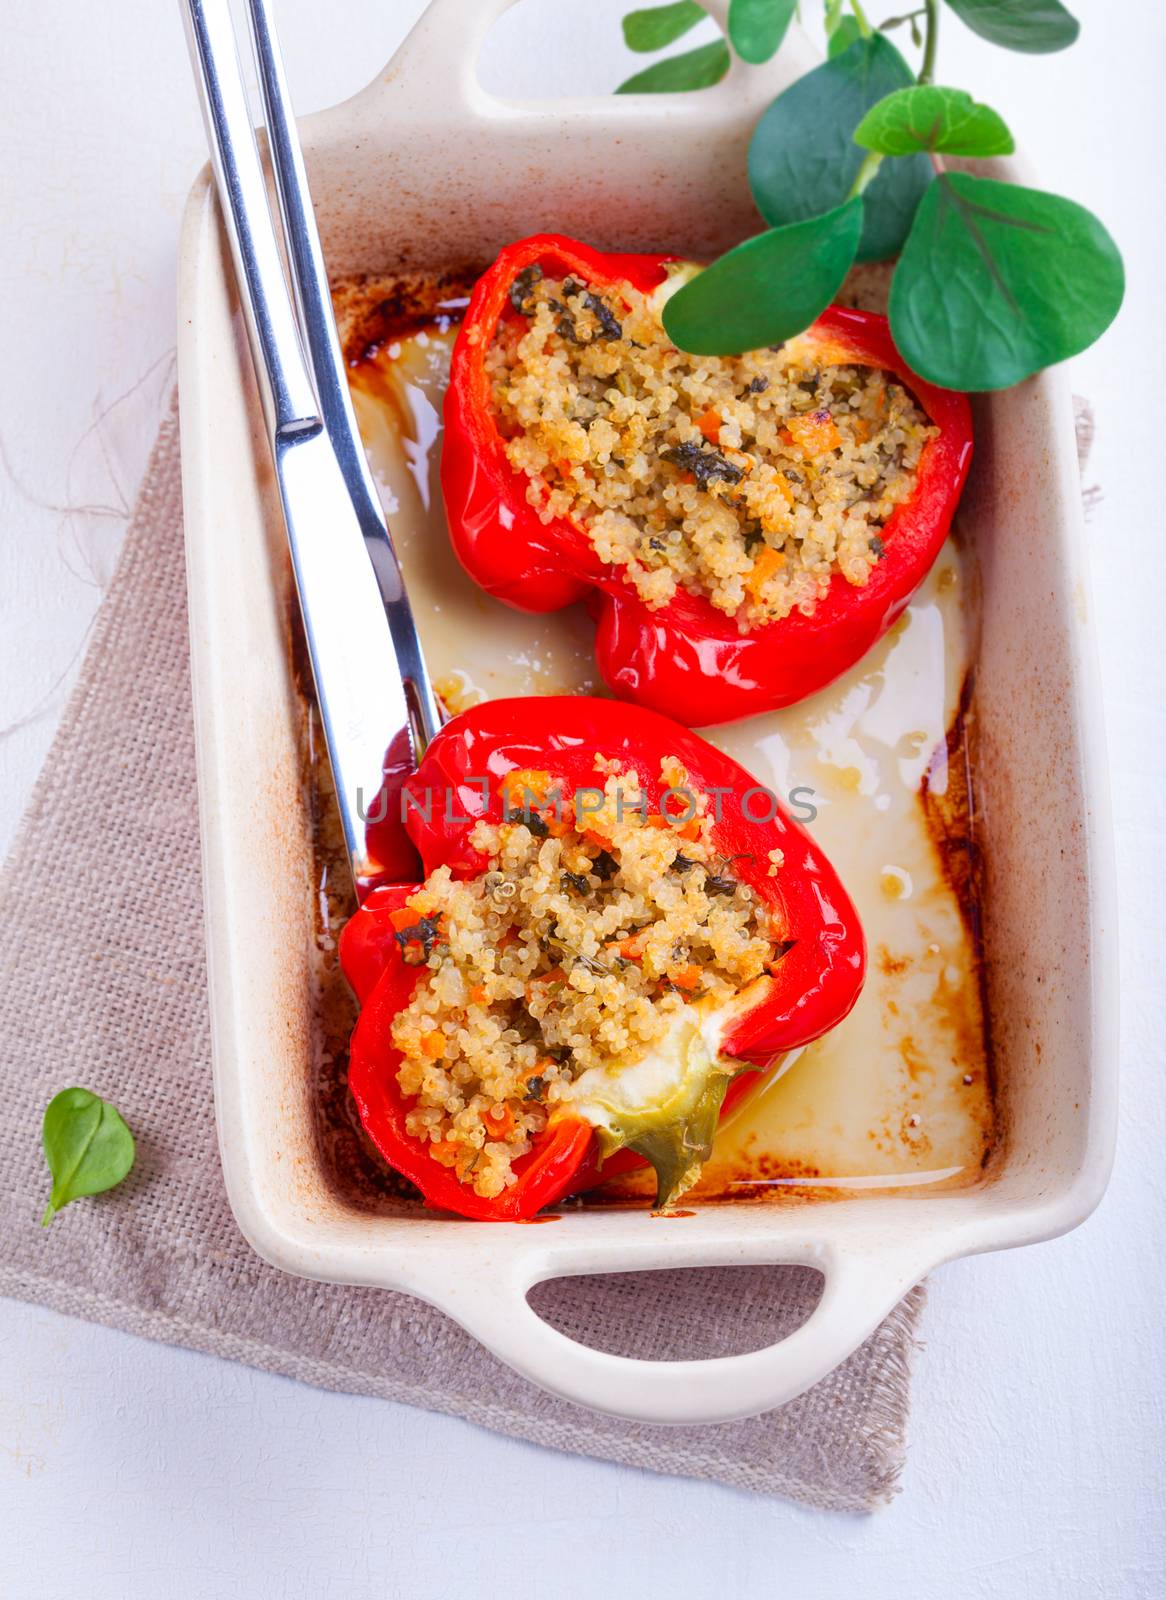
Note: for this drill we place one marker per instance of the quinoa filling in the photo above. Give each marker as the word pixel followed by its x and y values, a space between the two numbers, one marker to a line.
pixel 749 480
pixel 578 951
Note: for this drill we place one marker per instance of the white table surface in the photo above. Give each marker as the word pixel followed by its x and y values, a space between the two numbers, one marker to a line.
pixel 129 1469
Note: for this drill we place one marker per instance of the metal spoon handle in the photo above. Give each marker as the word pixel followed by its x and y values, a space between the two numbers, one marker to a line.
pixel 368 696
pixel 313 297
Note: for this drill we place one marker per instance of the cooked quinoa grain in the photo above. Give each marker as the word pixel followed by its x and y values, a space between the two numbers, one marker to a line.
pixel 750 480
pixel 573 950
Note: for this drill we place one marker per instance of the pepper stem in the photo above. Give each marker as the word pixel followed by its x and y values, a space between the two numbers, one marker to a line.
pixel 678 1150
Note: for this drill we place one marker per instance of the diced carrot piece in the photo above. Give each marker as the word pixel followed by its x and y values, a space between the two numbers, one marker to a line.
pixel 814 433
pixel 404 918
pixel 525 786
pixel 862 429
pixel 633 947
pixel 767 563
pixel 445 1151
pixel 690 829
pixel 710 426
pixel 783 485
pixel 687 978
pixel 433 1044
pixel 478 994
pixel 499 1121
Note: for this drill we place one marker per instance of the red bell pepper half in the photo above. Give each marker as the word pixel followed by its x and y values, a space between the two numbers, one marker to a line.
pixel 810 987
pixel 687 653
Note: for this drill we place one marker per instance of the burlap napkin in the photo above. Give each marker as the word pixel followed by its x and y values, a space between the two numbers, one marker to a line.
pixel 104 985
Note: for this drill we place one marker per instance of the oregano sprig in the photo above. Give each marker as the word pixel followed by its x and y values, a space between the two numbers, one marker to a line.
pixel 993 280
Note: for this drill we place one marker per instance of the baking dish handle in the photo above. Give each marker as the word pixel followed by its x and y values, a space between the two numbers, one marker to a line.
pixel 439 60
pixel 859 1291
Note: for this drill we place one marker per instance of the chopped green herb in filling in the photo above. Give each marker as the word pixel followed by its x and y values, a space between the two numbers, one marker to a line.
pixel 749 480
pixel 585 945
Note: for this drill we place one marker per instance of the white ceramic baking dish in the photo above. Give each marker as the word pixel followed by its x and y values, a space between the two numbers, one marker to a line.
pixel 424 170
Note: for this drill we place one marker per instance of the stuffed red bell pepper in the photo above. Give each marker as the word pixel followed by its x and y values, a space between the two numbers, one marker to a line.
pixel 615 923
pixel 744 529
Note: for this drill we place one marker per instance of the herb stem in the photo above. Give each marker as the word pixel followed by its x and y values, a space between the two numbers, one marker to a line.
pixel 861 18
pixel 871 162
pixel 930 42
pixel 897 22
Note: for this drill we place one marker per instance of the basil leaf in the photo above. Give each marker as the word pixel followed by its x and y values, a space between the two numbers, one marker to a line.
pixel 843 36
pixel 87 1146
pixel 927 118
pixel 757 27
pixel 1035 27
pixel 803 157
pixel 656 27
pixel 768 288
pixel 997 281
pixel 695 69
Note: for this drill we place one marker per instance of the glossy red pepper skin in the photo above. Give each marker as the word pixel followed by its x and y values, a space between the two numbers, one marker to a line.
pixel 384 985
pixel 815 983
pixel 686 654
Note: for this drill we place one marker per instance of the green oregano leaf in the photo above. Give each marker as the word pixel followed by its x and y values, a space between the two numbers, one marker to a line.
pixel 947 121
pixel 768 288
pixel 87 1145
pixel 656 27
pixel 1036 27
pixel 803 158
pixel 757 27
pixel 997 281
pixel 695 69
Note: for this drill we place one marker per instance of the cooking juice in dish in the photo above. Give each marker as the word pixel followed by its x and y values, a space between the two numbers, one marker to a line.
pixel 877 766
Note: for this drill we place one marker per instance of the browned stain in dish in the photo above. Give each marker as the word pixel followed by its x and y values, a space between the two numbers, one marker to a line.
pixel 374 313
pixel 950 808
pixel 377 317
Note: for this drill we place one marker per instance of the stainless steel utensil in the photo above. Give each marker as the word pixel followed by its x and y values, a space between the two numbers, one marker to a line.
pixel 369 669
